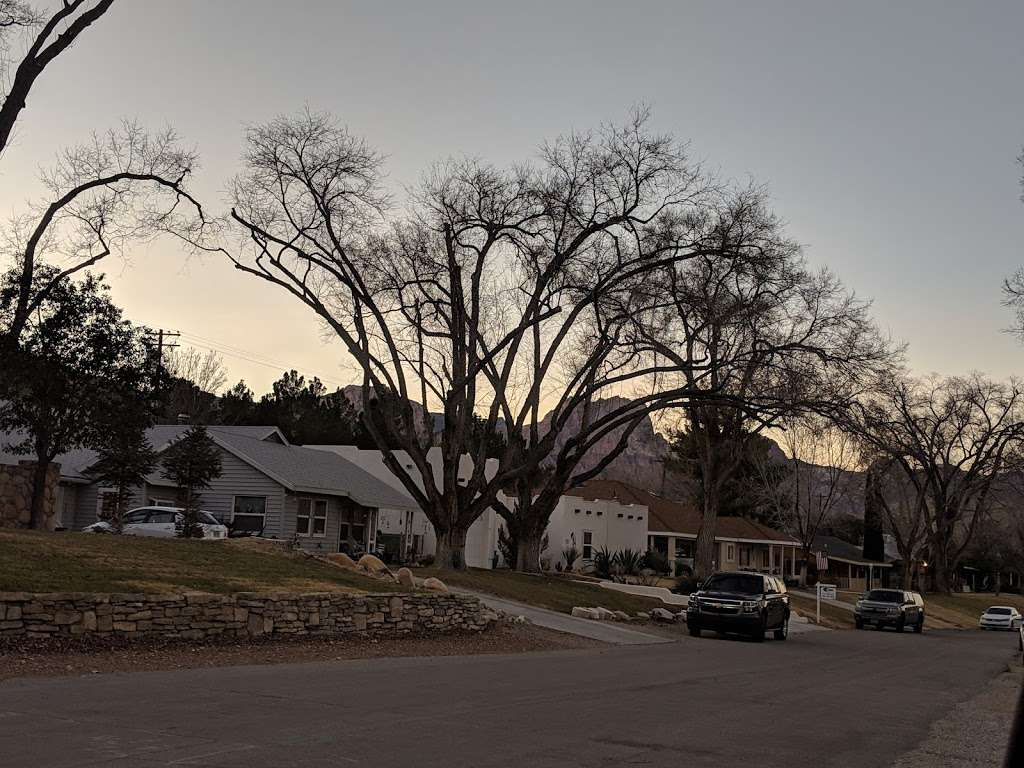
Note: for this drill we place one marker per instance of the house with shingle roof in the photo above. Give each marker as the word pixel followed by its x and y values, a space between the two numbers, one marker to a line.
pixel 321 500
pixel 617 515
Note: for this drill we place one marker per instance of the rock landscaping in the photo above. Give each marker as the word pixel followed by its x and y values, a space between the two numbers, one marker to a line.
pixel 603 614
pixel 195 616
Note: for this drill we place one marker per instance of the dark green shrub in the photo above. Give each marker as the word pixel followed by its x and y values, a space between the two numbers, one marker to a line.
pixel 657 561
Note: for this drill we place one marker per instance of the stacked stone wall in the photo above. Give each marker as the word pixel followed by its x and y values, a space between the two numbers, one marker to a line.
pixel 195 616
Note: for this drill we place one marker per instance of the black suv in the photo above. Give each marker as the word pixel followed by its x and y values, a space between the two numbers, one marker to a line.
pixel 740 602
pixel 890 607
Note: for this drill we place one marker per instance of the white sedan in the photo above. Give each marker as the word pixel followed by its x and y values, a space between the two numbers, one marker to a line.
pixel 160 522
pixel 1000 617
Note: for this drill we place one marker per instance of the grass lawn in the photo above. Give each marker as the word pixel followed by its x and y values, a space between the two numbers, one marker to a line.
pixel 966 609
pixel 831 616
pixel 557 593
pixel 32 561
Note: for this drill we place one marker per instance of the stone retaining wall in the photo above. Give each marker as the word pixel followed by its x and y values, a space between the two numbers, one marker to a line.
pixel 194 616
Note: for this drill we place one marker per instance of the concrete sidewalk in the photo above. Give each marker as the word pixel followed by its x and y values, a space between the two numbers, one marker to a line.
pixel 605 631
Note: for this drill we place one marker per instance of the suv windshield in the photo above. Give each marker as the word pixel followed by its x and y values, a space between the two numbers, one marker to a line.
pixel 206 517
pixel 735 582
pixel 999 611
pixel 884 596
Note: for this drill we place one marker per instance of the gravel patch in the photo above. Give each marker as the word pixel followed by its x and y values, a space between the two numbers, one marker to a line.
pixel 975 733
pixel 108 655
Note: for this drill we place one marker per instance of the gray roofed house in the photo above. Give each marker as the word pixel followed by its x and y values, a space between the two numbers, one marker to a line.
pixel 321 500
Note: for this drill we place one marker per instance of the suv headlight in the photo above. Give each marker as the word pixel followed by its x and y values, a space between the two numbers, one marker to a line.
pixel 751 606
pixel 892 610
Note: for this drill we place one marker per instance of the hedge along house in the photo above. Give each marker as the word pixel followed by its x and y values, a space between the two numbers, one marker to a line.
pixel 319 499
pixel 636 519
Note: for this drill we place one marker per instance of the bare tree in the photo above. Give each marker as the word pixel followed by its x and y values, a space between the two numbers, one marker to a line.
pixel 123 185
pixel 55 35
pixel 953 438
pixel 804 490
pixel 204 369
pixel 903 503
pixel 758 337
pixel 490 295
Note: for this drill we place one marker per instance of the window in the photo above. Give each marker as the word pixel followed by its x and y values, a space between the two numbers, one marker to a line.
pixel 744 555
pixel 577 511
pixel 311 517
pixel 162 517
pixel 251 511
pixel 599 513
pixel 590 512
pixel 730 552
pixel 139 516
pixel 353 527
pixel 588 545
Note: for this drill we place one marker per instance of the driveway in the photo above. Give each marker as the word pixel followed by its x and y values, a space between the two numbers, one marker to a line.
pixel 821 698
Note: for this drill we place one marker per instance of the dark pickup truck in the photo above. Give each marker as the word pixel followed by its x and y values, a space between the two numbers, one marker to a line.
pixel 742 603
pixel 890 607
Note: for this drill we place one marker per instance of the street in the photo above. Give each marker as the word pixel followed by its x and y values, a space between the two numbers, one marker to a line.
pixel 823 698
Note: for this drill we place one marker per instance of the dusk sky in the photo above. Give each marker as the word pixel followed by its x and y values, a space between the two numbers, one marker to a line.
pixel 887 134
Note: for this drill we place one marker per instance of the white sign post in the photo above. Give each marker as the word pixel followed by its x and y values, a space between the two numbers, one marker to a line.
pixel 824 592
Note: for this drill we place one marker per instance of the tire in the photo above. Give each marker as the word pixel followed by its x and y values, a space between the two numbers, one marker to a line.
pixel 782 632
pixel 901 623
pixel 694 630
pixel 758 636
pixel 919 627
pixel 858 623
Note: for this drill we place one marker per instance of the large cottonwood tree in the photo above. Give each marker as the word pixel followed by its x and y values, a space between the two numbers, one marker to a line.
pixel 493 294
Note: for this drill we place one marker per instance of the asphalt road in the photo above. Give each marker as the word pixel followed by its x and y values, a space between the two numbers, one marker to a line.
pixel 822 699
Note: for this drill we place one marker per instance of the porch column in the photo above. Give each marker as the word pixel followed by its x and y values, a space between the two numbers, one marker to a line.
pixel 671 550
pixel 792 562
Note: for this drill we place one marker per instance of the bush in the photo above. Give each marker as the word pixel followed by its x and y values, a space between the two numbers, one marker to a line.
pixel 657 561
pixel 682 568
pixel 686 586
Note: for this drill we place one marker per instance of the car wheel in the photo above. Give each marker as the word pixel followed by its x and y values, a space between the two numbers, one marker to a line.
pixel 782 632
pixel 694 630
pixel 901 623
pixel 758 635
pixel 919 627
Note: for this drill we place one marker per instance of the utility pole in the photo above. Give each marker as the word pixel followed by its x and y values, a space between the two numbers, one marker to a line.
pixel 162 342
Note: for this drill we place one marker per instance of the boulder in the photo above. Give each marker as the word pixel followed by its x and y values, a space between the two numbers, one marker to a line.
pixel 642 615
pixel 622 616
pixel 604 613
pixel 406 579
pixel 434 585
pixel 340 558
pixel 372 564
pixel 586 613
pixel 660 614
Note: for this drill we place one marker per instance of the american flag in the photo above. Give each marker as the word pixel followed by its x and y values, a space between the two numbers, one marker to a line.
pixel 821 560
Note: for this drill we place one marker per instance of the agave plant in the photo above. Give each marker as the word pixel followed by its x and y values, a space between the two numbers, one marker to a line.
pixel 629 561
pixel 570 555
pixel 603 560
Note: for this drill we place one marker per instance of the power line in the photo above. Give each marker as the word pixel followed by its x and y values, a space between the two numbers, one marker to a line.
pixel 249 356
